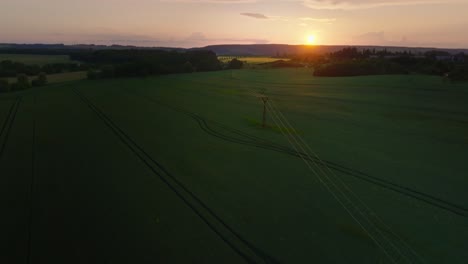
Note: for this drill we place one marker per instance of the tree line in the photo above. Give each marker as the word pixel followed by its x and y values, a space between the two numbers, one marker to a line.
pixel 115 64
pixel 22 83
pixel 10 68
pixel 354 62
pixel 140 63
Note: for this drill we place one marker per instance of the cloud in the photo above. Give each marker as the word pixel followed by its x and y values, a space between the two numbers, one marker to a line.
pixel 361 4
pixel 286 19
pixel 255 15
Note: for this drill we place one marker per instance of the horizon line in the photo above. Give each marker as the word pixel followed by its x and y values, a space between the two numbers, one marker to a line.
pixel 236 44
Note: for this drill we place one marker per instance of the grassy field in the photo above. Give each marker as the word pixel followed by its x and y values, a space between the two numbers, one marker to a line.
pixel 177 169
pixel 36 59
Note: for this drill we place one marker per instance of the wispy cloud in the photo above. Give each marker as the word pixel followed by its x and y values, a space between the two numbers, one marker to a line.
pixel 255 15
pixel 303 20
pixel 362 4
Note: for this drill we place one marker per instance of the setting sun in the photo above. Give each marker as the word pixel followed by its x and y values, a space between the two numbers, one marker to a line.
pixel 311 39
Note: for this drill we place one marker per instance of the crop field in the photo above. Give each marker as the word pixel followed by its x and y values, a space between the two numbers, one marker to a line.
pixel 178 169
pixel 36 59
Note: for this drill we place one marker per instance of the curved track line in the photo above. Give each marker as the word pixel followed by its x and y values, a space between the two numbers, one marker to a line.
pixel 266 144
pixel 250 253
pixel 8 124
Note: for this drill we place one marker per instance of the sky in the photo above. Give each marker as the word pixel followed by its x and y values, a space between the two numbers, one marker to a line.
pixel 197 23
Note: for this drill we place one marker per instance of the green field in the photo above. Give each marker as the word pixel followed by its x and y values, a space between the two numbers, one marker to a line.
pixel 177 169
pixel 36 59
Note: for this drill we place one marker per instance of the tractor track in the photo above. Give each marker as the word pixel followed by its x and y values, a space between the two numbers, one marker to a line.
pixel 32 184
pixel 246 250
pixel 8 124
pixel 254 141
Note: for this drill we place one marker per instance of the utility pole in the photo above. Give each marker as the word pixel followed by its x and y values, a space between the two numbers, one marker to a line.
pixel 265 101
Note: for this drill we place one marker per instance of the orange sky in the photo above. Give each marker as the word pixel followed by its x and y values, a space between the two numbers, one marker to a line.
pixel 189 23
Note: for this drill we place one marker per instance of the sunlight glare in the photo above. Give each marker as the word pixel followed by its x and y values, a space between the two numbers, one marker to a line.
pixel 311 39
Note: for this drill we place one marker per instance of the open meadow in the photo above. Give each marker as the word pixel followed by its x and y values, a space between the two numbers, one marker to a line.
pixel 178 169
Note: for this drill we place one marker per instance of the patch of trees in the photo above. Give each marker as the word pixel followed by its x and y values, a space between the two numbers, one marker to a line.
pixel 354 62
pixel 22 83
pixel 37 49
pixel 348 53
pixel 284 64
pixel 41 80
pixel 10 68
pixel 358 68
pixel 235 64
pixel 459 73
pixel 4 86
pixel 138 63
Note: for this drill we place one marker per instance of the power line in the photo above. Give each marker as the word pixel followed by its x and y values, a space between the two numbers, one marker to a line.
pixel 291 138
pixel 367 216
pixel 266 144
pixel 372 213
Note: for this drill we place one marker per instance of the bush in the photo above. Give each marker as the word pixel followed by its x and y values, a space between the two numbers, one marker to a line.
pixel 235 64
pixel 188 67
pixel 92 74
pixel 22 83
pixel 285 64
pixel 460 73
pixel 35 83
pixel 42 78
pixel 40 81
pixel 108 71
pixel 4 86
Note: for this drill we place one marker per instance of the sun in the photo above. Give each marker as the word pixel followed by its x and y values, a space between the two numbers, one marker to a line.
pixel 311 39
